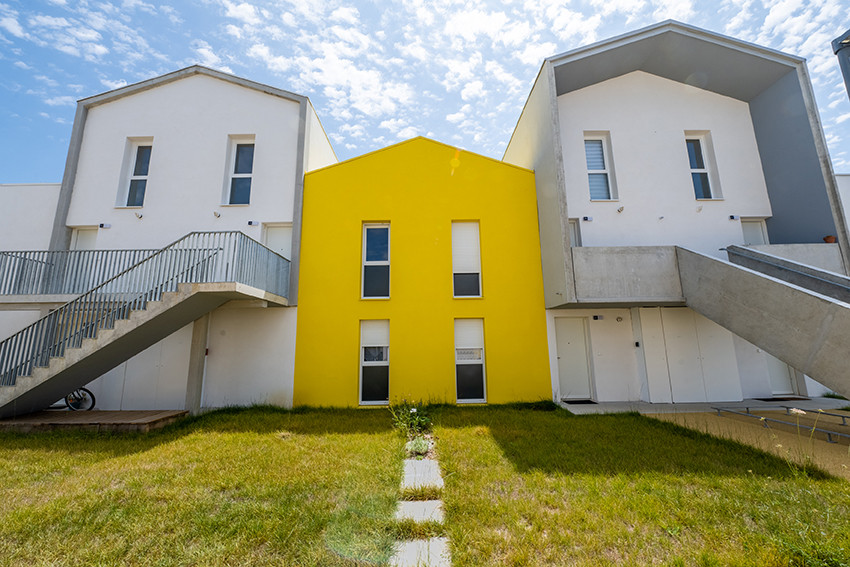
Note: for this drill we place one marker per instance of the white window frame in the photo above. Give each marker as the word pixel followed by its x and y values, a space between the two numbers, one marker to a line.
pixel 131 150
pixel 608 170
pixel 366 263
pixel 483 362
pixel 457 257
pixel 372 363
pixel 707 148
pixel 233 142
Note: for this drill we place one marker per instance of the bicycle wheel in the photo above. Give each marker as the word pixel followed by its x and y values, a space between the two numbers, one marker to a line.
pixel 80 399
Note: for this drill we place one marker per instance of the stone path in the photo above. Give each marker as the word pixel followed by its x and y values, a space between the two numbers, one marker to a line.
pixel 433 552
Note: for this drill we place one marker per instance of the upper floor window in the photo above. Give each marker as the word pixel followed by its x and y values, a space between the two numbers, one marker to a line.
pixel 597 155
pixel 242 169
pixel 376 260
pixel 466 259
pixel 134 172
pixel 700 160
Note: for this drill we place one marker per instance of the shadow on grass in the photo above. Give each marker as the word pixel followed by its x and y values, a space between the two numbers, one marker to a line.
pixel 559 442
pixel 259 419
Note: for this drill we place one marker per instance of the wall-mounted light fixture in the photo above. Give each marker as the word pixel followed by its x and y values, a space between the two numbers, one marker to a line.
pixel 253 223
pixel 216 214
pixel 587 219
pixel 620 210
pixel 734 217
pixel 104 225
pixel 699 209
pixel 138 215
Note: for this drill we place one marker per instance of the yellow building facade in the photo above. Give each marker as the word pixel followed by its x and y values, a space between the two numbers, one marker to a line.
pixel 420 279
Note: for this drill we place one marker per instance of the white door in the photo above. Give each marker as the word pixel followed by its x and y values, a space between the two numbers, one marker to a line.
pixel 781 376
pixel 83 238
pixel 683 355
pixel 755 231
pixel 573 360
pixel 279 239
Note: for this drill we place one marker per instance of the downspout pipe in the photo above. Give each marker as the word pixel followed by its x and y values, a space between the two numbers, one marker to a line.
pixel 841 48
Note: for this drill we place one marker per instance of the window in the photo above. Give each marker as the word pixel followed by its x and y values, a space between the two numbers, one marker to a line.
pixel 374 362
pixel 700 159
pixel 469 360
pixel 376 260
pixel 600 177
pixel 139 175
pixel 240 176
pixel 466 259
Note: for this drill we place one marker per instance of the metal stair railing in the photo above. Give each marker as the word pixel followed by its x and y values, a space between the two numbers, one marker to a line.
pixel 199 257
pixel 62 272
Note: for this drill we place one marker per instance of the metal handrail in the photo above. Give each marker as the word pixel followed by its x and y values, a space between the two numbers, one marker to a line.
pixel 821 412
pixel 62 272
pixel 199 257
pixel 764 419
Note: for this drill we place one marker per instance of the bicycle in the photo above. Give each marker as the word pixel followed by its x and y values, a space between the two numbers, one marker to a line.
pixel 80 399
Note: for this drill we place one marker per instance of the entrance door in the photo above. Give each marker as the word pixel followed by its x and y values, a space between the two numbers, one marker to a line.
pixel 279 239
pixel 781 376
pixel 83 238
pixel 573 360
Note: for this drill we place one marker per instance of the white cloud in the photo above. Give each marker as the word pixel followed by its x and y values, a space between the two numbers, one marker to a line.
pixel 11 25
pixel 243 12
pixel 473 89
pixel 568 25
pixel 172 13
pixel 22 65
pixel 393 124
pixel 345 14
pixel 535 53
pixel 469 24
pixel 408 132
pixel 46 80
pixel 112 85
pixel 60 101
pixel 48 22
pixel 459 115
pixel 274 62
pixel 842 118
pixel 207 56
pixel 680 10
pixel 629 7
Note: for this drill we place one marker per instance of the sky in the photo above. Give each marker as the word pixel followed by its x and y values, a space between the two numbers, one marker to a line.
pixel 377 72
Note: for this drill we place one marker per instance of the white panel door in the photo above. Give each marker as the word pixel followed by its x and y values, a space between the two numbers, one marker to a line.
pixel 719 362
pixel 279 239
pixel 781 376
pixel 83 238
pixel 683 355
pixel 754 231
pixel 573 360
pixel 655 354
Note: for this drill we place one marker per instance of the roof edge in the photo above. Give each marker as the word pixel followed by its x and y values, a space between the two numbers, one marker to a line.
pixel 147 84
pixel 678 27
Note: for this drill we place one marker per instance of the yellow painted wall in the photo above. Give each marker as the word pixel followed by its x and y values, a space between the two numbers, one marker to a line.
pixel 419 187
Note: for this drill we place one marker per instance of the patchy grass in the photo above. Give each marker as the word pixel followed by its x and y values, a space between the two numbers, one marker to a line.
pixel 547 488
pixel 238 487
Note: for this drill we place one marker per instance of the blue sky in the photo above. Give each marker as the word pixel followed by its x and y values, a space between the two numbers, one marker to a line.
pixel 377 72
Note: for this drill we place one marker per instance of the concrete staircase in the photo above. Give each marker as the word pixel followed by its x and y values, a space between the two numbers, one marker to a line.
pixel 797 313
pixel 131 311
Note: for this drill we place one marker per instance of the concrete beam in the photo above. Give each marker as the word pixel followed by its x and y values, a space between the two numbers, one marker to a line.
pixel 645 275
pixel 197 364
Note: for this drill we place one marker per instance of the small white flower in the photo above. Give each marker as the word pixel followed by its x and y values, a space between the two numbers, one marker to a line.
pixel 797 411
pixel 412 410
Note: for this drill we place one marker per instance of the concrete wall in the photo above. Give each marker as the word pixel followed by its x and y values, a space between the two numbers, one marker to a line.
pixel 419 187
pixel 646 118
pixel 535 145
pixel 13 320
pixel 318 150
pixel 190 122
pixel 823 256
pixel 628 274
pixel 27 215
pixel 791 164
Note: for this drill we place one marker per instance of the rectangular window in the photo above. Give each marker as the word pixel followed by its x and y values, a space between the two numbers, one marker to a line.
pixel 240 176
pixel 469 360
pixel 699 173
pixel 600 178
pixel 139 176
pixel 374 362
pixel 466 259
pixel 376 260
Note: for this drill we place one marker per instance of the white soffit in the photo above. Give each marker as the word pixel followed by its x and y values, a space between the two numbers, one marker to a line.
pixel 680 53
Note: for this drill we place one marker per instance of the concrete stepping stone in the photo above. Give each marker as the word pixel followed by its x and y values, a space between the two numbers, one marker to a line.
pixel 432 552
pixel 420 511
pixel 421 474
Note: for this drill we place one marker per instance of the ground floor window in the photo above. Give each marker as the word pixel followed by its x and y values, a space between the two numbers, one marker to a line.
pixel 374 362
pixel 469 360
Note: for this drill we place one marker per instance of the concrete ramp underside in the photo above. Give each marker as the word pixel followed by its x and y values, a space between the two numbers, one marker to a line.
pixel 126 339
pixel 807 330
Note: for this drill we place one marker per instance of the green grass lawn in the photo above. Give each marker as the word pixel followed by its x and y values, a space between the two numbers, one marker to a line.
pixel 547 488
pixel 318 487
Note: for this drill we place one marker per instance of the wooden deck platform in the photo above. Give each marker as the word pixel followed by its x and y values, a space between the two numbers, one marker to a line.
pixel 95 420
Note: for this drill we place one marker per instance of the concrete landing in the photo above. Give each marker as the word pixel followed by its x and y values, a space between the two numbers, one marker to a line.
pixel 812 404
pixel 432 552
pixel 421 474
pixel 420 511
pixel 95 420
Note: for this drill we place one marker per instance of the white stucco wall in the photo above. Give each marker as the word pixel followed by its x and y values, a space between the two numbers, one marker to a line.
pixel 646 118
pixel 843 182
pixel 13 320
pixel 251 357
pixel 27 215
pixel 319 152
pixel 190 122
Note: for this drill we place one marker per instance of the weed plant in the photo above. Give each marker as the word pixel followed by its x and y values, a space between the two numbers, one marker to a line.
pixel 410 418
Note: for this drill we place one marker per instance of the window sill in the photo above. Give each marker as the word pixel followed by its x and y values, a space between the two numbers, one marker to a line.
pixel 471 402
pixel 467 297
pixel 382 403
pixel 235 205
pixel 129 206
pixel 711 199
pixel 375 298
pixel 604 200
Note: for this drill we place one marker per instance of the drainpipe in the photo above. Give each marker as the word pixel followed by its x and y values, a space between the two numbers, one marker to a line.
pixel 841 48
